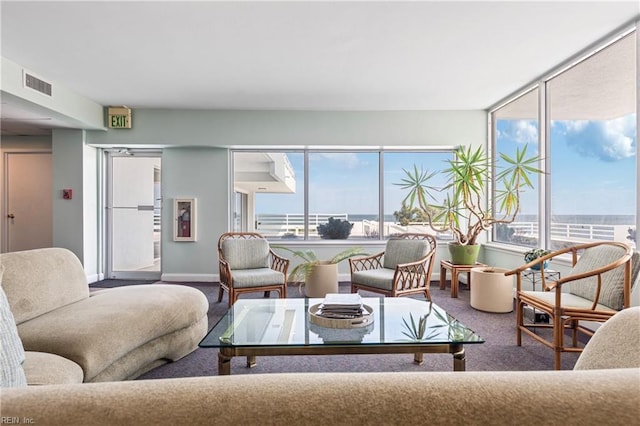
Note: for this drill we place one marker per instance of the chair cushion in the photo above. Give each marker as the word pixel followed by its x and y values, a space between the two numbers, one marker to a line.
pixel 246 253
pixel 404 251
pixel 379 278
pixel 568 300
pixel 611 293
pixel 11 351
pixel 243 278
pixel 42 368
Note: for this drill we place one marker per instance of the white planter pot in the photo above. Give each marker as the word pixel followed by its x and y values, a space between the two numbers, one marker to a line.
pixel 491 290
pixel 323 280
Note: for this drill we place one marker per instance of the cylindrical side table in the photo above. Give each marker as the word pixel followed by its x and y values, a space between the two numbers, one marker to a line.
pixel 491 291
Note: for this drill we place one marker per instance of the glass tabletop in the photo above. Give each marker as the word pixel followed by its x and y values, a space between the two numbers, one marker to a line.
pixel 285 322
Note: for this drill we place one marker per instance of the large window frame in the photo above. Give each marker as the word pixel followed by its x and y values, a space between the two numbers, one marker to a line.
pixel 545 118
pixel 307 234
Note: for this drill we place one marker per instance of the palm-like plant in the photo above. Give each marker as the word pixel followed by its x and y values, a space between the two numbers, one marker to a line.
pixel 462 211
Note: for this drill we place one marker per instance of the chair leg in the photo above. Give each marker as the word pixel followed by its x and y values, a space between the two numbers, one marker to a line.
pixel 574 329
pixel 220 293
pixel 427 294
pixel 557 363
pixel 558 341
pixel 519 322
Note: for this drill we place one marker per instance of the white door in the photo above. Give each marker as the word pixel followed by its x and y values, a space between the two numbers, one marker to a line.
pixel 134 216
pixel 29 195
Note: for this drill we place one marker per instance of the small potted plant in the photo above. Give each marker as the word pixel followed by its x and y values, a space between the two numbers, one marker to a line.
pixel 318 276
pixel 533 254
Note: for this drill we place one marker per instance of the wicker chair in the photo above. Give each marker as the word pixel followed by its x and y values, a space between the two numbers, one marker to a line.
pixel 247 264
pixel 598 286
pixel 404 267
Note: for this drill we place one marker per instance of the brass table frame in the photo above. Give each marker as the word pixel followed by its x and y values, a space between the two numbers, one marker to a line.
pixel 251 352
pixel 312 338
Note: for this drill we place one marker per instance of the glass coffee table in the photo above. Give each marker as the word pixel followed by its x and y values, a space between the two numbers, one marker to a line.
pixel 268 327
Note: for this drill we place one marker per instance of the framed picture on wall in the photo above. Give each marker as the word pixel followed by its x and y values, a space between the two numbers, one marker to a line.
pixel 184 219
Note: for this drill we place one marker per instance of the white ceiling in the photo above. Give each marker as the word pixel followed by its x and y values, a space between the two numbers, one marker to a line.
pixel 301 55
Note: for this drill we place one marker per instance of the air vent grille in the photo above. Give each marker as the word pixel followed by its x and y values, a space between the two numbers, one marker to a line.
pixel 36 84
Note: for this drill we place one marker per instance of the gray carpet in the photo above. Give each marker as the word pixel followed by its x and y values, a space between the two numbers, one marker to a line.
pixel 498 353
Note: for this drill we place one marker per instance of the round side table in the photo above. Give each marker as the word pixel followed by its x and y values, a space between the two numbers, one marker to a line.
pixel 491 291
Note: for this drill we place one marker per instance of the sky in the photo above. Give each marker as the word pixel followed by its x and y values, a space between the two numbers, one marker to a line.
pixel 593 164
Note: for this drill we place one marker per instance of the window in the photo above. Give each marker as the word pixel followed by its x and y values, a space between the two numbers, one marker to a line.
pixel 400 218
pixel 516 126
pixel 593 147
pixel 590 185
pixel 339 185
pixel 273 183
pixel 345 186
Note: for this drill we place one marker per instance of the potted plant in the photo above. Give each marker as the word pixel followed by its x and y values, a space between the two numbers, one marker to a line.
pixel 319 277
pixel 533 254
pixel 463 211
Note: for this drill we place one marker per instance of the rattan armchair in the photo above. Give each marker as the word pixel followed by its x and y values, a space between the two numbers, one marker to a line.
pixel 404 268
pixel 598 286
pixel 247 264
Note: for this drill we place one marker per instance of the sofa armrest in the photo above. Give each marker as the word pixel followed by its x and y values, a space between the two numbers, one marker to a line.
pixel 616 344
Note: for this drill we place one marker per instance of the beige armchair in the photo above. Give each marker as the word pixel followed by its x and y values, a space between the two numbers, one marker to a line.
pixel 598 286
pixel 247 264
pixel 404 267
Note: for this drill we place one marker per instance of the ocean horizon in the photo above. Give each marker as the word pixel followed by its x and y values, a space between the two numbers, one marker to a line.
pixel 587 219
pixel 569 218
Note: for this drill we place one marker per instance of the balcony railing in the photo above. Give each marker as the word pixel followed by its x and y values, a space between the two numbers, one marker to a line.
pixel 292 225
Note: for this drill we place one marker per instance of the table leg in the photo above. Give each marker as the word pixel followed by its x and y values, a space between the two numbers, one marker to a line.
pixel 418 358
pixel 454 283
pixel 469 280
pixel 224 364
pixel 443 277
pixel 459 359
pixel 251 361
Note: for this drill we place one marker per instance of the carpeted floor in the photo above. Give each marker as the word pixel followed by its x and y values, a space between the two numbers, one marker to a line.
pixel 498 353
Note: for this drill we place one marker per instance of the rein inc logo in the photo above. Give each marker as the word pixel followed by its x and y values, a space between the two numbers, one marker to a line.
pixel 5 420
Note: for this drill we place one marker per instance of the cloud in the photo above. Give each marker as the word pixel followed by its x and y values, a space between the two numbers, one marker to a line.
pixel 611 140
pixel 521 131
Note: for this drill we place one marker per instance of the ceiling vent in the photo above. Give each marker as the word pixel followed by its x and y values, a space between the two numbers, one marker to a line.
pixel 36 83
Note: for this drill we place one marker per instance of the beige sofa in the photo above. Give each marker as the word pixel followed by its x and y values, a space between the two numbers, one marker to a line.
pixel 604 389
pixel 74 335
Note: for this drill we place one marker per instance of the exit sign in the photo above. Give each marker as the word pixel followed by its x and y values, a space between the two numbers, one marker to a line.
pixel 119 118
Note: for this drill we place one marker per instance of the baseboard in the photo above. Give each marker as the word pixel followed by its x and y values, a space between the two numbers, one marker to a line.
pixel 190 277
pixel 93 278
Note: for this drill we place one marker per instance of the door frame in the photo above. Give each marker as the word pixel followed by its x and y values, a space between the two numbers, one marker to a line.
pixel 109 154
